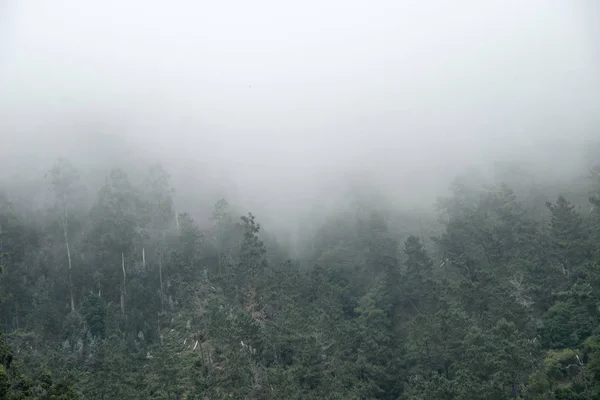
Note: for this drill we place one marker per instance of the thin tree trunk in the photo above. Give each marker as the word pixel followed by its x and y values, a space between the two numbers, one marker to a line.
pixel 219 253
pixel 161 247
pixel 144 257
pixel 124 289
pixel 66 234
pixel 65 224
pixel 162 305
pixel 176 216
pixel 158 327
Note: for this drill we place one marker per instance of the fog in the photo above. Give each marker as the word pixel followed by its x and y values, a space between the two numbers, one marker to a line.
pixel 277 104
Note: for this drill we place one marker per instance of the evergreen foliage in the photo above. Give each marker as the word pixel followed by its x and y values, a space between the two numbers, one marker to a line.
pixel 125 298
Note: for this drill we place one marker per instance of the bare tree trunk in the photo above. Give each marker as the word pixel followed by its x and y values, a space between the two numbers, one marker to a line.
pixel 144 257
pixel 124 289
pixel 176 215
pixel 161 249
pixel 66 234
pixel 162 296
pixel 219 253
pixel 160 336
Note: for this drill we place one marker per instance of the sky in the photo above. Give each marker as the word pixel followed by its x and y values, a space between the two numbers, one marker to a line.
pixel 282 99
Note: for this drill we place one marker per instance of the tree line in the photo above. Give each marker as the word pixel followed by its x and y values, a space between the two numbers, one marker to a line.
pixel 124 297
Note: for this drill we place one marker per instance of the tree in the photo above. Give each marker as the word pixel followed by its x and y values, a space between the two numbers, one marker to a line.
pixel 159 217
pixel 5 357
pixel 218 216
pixel 251 258
pixel 566 234
pixel 65 184
pixel 571 319
pixel 375 363
pixel 418 281
pixel 94 312
pixel 116 225
pixel 380 260
pixel 185 257
pixel 16 385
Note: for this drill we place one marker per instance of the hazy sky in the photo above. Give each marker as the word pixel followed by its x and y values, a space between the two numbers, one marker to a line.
pixel 281 95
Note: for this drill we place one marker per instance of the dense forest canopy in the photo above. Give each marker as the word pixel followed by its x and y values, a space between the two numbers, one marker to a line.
pixel 108 291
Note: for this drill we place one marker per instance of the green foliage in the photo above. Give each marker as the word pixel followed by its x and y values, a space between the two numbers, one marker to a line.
pixel 94 312
pixel 572 318
pixel 567 234
pixel 14 385
pixel 503 305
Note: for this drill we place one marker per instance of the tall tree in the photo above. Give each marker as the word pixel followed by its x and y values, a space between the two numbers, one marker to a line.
pixel 159 217
pixel 218 216
pixel 65 183
pixel 419 273
pixel 566 234
pixel 251 262
pixel 116 225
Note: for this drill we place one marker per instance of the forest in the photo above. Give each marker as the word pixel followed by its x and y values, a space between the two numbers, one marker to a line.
pixel 108 292
pixel 273 200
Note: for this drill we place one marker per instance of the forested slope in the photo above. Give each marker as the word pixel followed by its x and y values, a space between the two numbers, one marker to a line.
pixel 123 298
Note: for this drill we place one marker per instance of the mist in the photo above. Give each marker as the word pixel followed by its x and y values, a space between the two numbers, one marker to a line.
pixel 395 200
pixel 278 106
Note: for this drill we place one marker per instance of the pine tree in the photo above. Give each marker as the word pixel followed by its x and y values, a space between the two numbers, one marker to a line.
pixel 566 234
